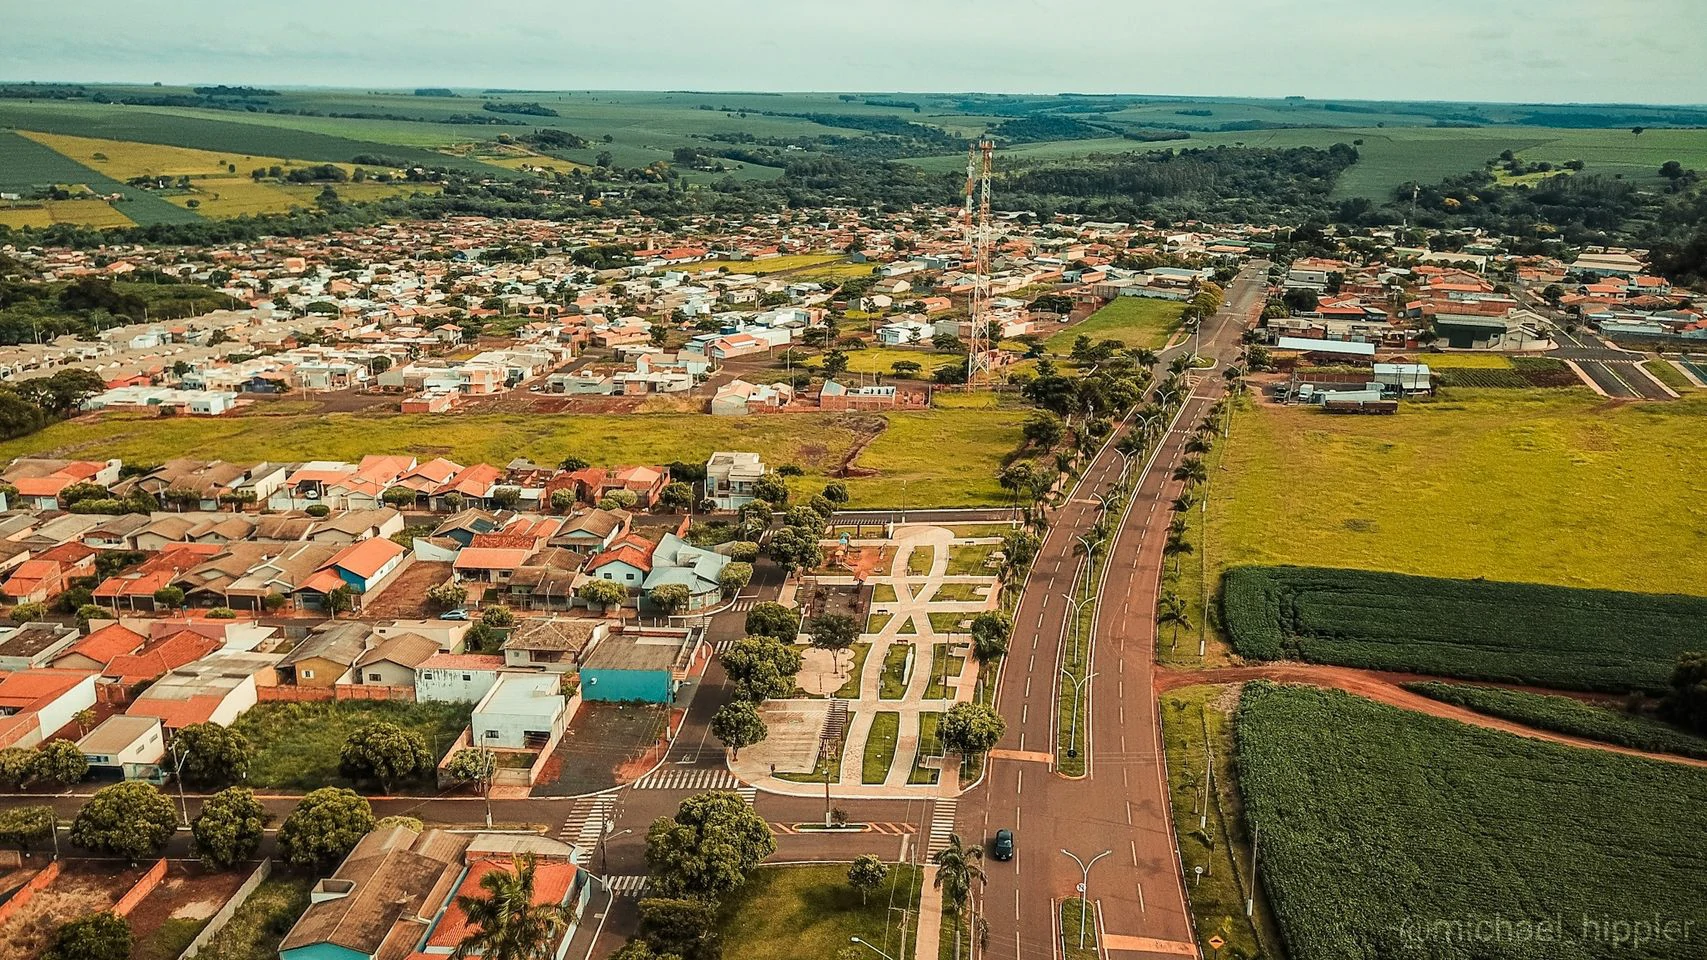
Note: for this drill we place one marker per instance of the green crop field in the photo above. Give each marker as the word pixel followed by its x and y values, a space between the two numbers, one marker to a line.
pixel 1384 833
pixel 1568 715
pixel 26 166
pixel 1134 321
pixel 1480 629
pixel 927 458
pixel 1542 486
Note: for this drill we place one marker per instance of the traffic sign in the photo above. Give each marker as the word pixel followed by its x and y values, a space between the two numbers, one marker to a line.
pixel 1216 943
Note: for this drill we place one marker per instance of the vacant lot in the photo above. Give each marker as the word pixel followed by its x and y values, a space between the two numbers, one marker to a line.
pixel 788 912
pixel 255 930
pixel 297 744
pixel 1516 632
pixel 1383 833
pixel 1134 321
pixel 1538 486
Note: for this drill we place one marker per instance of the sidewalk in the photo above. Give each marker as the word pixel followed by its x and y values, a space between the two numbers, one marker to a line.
pixel 929 936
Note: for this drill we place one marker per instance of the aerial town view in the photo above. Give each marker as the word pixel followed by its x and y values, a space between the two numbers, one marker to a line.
pixel 543 483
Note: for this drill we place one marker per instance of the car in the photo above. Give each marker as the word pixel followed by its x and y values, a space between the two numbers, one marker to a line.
pixel 457 614
pixel 1003 848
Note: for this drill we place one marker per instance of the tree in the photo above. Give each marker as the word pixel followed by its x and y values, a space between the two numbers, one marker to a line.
pixel 398 497
pixel 734 577
pixel 674 928
pixel 970 728
pixel 744 551
pixel 1171 611
pixel 676 496
pixel 1685 703
pixel 448 595
pixel 570 464
pixel 98 936
pixel 384 752
pixel 562 500
pixel 867 874
pixel 17 767
pixel 23 828
pixel 738 724
pixel 506 922
pixel 1043 430
pixel 1019 548
pixel 506 498
pixel 30 612
pixel 908 369
pixel 708 848
pixel 603 594
pixel 796 548
pixel 325 827
pixel 834 632
pixel 229 828
pixel 671 598
pixel 1192 471
pixel 945 343
pixel 836 492
pixel 339 599
pixel 761 667
pixel 498 616
pixel 990 636
pixel 475 767
pixel 835 363
pixel 771 489
pixel 212 755
pixel 131 820
pixel 959 867
pixel 60 764
pixel 772 619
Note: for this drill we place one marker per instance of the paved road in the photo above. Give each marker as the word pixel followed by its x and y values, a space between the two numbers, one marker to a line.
pixel 1614 371
pixel 1121 804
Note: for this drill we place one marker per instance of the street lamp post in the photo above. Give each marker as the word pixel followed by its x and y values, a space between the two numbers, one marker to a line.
pixel 1076 606
pixel 605 837
pixel 866 943
pixel 1084 885
pixel 1078 690
pixel 178 776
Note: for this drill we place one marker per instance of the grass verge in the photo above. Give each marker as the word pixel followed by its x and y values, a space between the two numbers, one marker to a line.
pixel 892 683
pixel 928 747
pixel 783 913
pixel 880 746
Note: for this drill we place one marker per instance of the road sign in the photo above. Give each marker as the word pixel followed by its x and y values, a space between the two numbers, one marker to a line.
pixel 1216 943
pixel 1079 887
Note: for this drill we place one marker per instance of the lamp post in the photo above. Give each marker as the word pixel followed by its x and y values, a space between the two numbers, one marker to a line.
pixel 605 836
pixel 1078 690
pixel 1084 884
pixel 866 943
pixel 1076 606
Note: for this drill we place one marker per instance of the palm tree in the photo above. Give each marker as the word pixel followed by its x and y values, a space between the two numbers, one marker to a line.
pixel 1199 443
pixel 957 868
pixel 506 923
pixel 1172 611
pixel 1192 471
pixel 1176 527
pixel 1144 357
pixel 1176 547
pixel 1183 502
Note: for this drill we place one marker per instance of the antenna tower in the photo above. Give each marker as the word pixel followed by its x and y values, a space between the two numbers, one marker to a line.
pixel 978 239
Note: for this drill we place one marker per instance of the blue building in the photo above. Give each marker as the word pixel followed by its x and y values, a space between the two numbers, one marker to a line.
pixel 645 665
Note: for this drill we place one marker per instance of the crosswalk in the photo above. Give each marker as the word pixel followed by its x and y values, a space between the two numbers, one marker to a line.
pixel 743 604
pixel 942 825
pixel 692 778
pixel 627 885
pixel 585 819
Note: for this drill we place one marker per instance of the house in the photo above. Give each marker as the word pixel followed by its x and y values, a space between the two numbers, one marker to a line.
pixel 395 661
pixel 135 588
pixel 641 665
pixel 397 895
pixel 729 478
pixel 627 561
pixel 489 564
pixel 125 748
pixel 592 484
pixel 32 645
pixel 35 704
pixel 363 565
pixel 738 398
pixel 159 656
pixel 99 648
pixel 521 711
pixel 551 644
pixel 904 331
pixel 675 561
pixel 590 531
pixel 456 677
pixel 448 634
pixel 215 689
pixel 325 656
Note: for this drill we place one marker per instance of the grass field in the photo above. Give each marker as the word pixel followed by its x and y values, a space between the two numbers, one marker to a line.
pixel 1569 715
pixel 880 746
pixel 46 213
pixel 892 681
pixel 881 360
pixel 1134 321
pixel 297 744
pixel 262 920
pixel 1464 361
pixel 1667 373
pixel 929 458
pixel 786 263
pixel 1385 833
pixel 787 912
pixel 1526 485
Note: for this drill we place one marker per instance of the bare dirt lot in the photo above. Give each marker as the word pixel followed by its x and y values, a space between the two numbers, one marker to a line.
pixel 405 597
pixel 82 887
pixel 179 907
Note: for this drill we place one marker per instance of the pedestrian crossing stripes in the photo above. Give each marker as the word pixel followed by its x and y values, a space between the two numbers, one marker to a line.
pixel 942 825
pixel 748 794
pixel 743 604
pixel 693 778
pixel 724 644
pixel 628 885
pixel 888 829
pixel 586 818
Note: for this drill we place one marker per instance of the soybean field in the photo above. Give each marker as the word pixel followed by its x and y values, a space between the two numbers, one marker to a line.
pixel 1567 715
pixel 1527 633
pixel 1383 833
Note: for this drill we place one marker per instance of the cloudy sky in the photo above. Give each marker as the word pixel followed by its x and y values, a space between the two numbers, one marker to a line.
pixel 1558 51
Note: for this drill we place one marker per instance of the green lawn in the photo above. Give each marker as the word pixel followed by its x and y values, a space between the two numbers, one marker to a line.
pixel 1667 373
pixel 877 621
pixel 1134 321
pixel 881 360
pixel 297 744
pixel 971 559
pixel 880 746
pixel 893 682
pixel 928 746
pixel 255 930
pixel 884 593
pixel 938 688
pixel 789 912
pixel 944 622
pixel 1072 912
pixel 850 689
pixel 1543 486
pixel 919 561
pixel 925 458
pixel 168 940
pixel 961 592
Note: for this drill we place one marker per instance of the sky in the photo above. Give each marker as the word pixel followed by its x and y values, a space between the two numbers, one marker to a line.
pixel 1560 51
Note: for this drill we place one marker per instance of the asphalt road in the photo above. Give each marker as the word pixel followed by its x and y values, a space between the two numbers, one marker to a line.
pixel 1120 805
pixel 1613 371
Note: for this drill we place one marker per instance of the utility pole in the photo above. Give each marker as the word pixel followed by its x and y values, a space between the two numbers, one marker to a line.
pixel 1250 898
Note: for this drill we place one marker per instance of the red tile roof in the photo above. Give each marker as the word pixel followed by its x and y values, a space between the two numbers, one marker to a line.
pixel 552 881
pixel 366 558
pixel 112 640
pixel 160 657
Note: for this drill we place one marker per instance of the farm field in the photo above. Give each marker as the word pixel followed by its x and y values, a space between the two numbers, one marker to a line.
pixel 786 912
pixel 26 165
pixel 1388 833
pixel 786 263
pixel 1514 484
pixel 1134 321
pixel 46 213
pixel 930 458
pixel 1569 715
pixel 1551 636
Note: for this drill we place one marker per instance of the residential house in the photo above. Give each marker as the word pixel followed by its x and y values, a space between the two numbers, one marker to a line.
pixel 589 531
pixel 395 661
pixel 729 478
pixel 551 644
pixel 644 665
pixel 125 748
pixel 324 657
pixel 456 677
pixel 31 646
pixel 521 711
pixel 159 656
pixel 675 561
pixel 98 649
pixel 215 689
pixel 35 704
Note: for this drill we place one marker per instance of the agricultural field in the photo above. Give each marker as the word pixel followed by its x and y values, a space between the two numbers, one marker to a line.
pixel 1477 629
pixel 1385 833
pixel 787 263
pixel 881 360
pixel 1512 484
pixel 1568 715
pixel 27 166
pixel 46 213
pixel 926 458
pixel 1134 321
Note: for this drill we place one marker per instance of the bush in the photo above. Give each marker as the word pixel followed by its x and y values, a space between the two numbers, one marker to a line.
pixel 99 936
